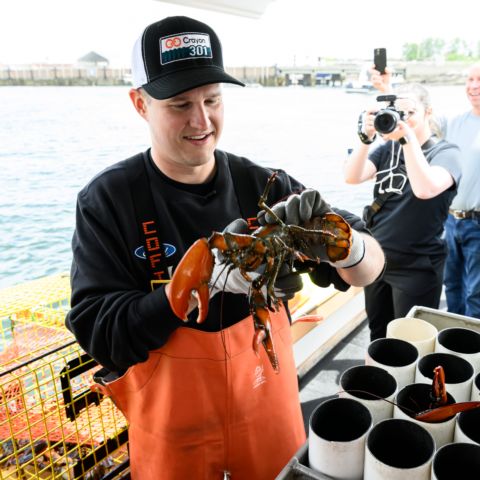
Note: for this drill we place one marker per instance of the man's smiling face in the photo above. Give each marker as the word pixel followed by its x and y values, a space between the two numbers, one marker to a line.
pixel 473 87
pixel 186 128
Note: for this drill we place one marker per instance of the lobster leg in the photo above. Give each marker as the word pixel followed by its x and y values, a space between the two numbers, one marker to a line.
pixel 193 273
pixel 262 202
pixel 263 331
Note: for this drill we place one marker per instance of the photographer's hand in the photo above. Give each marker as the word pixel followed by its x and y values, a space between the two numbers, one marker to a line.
pixel 382 83
pixel 368 118
pixel 403 133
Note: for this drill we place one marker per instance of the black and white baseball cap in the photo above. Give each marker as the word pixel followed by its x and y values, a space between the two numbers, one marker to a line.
pixel 177 54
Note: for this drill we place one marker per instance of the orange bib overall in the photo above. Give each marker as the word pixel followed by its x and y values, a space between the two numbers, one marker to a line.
pixel 205 404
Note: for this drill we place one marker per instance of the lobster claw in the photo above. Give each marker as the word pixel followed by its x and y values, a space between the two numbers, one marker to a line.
pixel 338 247
pixel 439 389
pixel 440 414
pixel 336 234
pixel 193 273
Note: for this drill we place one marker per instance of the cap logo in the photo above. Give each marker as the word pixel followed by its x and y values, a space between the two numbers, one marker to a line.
pixel 184 46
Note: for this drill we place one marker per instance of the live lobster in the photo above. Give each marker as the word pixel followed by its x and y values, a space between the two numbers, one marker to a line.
pixel 439 410
pixel 272 245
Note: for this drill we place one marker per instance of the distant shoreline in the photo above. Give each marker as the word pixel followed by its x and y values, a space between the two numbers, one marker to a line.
pixel 84 83
pixel 332 74
pixel 63 82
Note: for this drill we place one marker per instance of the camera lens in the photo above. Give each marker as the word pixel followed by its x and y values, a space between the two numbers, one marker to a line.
pixel 386 121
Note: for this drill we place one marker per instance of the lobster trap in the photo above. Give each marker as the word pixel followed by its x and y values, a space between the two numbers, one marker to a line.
pixel 52 426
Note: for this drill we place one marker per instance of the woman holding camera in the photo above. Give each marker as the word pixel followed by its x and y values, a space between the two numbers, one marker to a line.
pixel 416 177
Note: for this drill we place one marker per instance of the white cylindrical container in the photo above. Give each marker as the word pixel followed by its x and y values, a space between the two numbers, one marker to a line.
pixel 398 450
pixel 463 342
pixel 456 461
pixel 467 427
pixel 414 330
pixel 397 357
pixel 337 432
pixel 415 398
pixel 372 386
pixel 475 397
pixel 459 373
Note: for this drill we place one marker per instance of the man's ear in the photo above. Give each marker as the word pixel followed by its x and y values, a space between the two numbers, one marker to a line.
pixel 139 101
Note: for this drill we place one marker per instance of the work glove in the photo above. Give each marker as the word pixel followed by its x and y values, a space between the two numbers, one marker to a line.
pixel 297 209
pixel 287 284
pixel 300 208
pixel 224 279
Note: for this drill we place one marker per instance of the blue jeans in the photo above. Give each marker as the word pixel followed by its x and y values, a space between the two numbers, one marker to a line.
pixel 462 268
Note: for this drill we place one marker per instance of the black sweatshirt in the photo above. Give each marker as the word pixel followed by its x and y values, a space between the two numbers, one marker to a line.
pixel 115 316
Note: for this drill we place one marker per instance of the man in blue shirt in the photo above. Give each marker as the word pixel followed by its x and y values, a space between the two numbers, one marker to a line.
pixel 462 228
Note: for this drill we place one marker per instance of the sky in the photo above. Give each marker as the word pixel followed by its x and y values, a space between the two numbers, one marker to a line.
pixel 289 32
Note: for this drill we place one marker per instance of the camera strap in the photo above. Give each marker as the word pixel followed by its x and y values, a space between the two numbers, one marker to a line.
pixel 379 201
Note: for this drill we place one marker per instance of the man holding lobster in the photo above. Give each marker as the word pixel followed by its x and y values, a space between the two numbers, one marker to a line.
pixel 200 403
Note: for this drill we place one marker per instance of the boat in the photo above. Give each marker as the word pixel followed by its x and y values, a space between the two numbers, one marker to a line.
pixel 321 382
pixel 47 406
pixel 53 426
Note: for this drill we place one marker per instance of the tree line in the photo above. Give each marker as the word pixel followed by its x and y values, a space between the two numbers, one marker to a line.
pixel 438 48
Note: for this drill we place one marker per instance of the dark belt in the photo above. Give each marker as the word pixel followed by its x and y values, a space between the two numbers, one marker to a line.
pixel 467 214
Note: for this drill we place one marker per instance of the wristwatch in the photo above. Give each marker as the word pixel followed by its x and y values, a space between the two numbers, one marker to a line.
pixel 361 134
pixel 364 138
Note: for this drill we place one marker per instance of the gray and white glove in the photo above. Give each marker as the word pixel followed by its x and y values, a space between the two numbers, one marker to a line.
pixel 223 277
pixel 297 208
pixel 288 283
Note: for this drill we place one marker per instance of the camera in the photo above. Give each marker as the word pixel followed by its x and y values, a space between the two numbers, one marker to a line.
pixel 387 118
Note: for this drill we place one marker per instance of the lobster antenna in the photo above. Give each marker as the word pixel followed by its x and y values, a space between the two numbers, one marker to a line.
pixel 218 276
pixel 378 397
pixel 262 202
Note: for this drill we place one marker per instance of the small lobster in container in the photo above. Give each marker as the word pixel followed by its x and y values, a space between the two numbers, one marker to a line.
pixel 271 245
pixel 439 409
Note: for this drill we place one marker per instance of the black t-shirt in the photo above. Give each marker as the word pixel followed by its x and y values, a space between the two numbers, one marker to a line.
pixel 115 316
pixel 406 224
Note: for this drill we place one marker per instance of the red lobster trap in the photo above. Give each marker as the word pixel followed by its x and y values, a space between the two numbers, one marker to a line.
pixel 52 426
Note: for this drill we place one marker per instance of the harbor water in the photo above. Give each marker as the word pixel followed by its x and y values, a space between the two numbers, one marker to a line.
pixel 54 139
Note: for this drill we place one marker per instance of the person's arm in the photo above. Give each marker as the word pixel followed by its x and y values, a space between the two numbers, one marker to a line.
pixel 427 180
pixel 365 261
pixel 112 317
pixel 357 167
pixel 369 268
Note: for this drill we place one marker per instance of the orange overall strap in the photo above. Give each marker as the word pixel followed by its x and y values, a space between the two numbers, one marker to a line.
pixel 205 404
